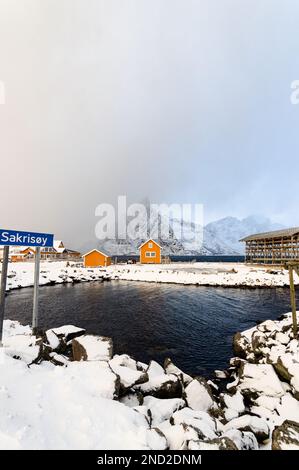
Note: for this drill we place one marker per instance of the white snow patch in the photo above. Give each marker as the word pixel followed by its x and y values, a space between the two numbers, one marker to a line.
pixel 96 347
pixel 198 397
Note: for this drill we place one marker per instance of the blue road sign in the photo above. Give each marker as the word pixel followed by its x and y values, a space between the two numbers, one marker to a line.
pixel 17 238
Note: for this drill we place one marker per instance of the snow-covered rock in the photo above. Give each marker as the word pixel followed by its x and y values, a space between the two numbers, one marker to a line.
pixel 159 384
pixel 282 338
pixel 58 359
pixel 220 374
pixel 199 396
pixel 243 440
pixel 257 426
pixel 170 368
pixel 204 424
pixel 126 369
pixel 144 412
pixel 67 332
pixel 161 410
pixel 96 377
pixel 286 436
pixel 234 405
pixel 52 339
pixel 258 379
pixel 268 326
pixel 92 348
pixel 129 377
pixel 178 435
pixel 241 345
pixel 220 443
pixel 155 439
pixel 124 360
pixel 132 399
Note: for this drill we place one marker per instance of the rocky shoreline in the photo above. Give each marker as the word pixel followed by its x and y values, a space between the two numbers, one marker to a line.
pixel 251 405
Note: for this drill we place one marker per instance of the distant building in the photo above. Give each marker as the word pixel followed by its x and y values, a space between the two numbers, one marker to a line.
pixel 18 254
pixel 57 252
pixel 278 247
pixel 95 259
pixel 150 252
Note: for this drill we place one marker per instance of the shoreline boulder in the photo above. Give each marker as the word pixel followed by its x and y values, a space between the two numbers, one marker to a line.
pixel 199 397
pixel 286 436
pixel 92 348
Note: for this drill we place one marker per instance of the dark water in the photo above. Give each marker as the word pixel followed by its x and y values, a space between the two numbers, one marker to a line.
pixel 209 259
pixel 192 325
pixel 202 259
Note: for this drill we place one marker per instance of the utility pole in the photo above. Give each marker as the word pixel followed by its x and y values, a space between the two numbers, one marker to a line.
pixel 36 291
pixel 293 299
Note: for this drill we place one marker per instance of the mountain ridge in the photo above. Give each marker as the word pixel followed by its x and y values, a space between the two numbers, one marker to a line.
pixel 220 237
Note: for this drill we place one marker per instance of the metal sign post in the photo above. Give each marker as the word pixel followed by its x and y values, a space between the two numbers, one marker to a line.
pixel 35 292
pixel 293 266
pixel 3 289
pixel 19 238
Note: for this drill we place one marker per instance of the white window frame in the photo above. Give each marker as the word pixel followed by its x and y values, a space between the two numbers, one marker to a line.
pixel 150 254
pixel 150 244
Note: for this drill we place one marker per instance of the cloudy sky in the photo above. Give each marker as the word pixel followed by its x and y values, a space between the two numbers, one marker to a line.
pixel 178 100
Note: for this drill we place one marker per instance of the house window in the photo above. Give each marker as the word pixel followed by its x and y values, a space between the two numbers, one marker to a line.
pixel 150 245
pixel 150 254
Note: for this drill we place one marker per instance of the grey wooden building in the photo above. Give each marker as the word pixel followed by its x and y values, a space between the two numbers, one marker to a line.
pixel 278 247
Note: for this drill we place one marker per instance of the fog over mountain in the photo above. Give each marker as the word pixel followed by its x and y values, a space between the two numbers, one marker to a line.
pixel 184 101
pixel 220 237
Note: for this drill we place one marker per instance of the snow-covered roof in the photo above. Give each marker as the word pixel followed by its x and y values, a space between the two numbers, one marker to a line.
pixel 150 240
pixel 67 250
pixel 91 251
pixel 59 246
pixel 289 232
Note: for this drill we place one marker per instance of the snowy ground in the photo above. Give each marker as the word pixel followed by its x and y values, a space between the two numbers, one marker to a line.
pixel 210 274
pixel 59 272
pixel 66 390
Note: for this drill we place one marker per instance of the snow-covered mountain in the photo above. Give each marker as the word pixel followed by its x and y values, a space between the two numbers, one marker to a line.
pixel 230 230
pixel 219 238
